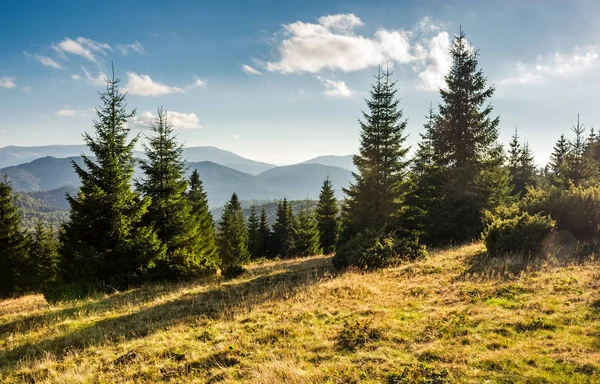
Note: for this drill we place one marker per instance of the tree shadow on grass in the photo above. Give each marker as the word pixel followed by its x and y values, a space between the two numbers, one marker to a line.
pixel 222 300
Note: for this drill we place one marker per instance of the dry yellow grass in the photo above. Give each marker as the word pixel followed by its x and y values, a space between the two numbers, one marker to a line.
pixel 299 322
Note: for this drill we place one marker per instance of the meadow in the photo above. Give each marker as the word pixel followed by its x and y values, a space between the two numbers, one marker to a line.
pixel 452 317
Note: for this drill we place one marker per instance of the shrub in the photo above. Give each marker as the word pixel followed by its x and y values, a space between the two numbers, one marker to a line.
pixel 233 271
pixel 576 210
pixel 371 250
pixel 523 234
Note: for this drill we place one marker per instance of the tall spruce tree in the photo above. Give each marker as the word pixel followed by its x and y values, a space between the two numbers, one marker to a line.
pixel 13 243
pixel 165 184
pixel 327 213
pixel 43 258
pixel 208 251
pixel 514 161
pixel 104 240
pixel 283 230
pixel 233 238
pixel 557 161
pixel 575 162
pixel 466 147
pixel 375 199
pixel 254 238
pixel 527 170
pixel 306 233
pixel 265 234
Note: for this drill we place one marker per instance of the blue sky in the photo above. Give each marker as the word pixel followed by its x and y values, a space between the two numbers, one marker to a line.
pixel 284 81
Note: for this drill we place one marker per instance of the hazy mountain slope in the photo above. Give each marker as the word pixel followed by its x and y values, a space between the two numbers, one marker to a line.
pixel 334 161
pixel 43 174
pixel 226 158
pixel 15 155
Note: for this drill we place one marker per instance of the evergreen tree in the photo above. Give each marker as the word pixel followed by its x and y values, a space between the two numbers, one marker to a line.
pixel 265 234
pixel 527 170
pixel 170 209
pixel 43 258
pixel 104 241
pixel 575 162
pixel 283 230
pixel 208 251
pixel 13 243
pixel 233 238
pixel 514 162
pixel 254 238
pixel 557 161
pixel 466 148
pixel 306 233
pixel 375 199
pixel 327 212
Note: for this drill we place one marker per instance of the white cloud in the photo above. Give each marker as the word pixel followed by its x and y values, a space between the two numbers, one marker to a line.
pixel 438 63
pixel 577 63
pixel 45 60
pixel 335 88
pixel 66 113
pixel 135 46
pixel 143 85
pixel 250 70
pixel 198 82
pixel 7 82
pixel 235 137
pixel 331 44
pixel 177 119
pixel 82 47
pixel 76 77
pixel 97 81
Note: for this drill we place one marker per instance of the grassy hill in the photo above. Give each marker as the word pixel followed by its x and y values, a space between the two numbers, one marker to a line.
pixel 452 317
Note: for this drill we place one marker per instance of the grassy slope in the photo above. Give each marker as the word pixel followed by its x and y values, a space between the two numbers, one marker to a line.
pixel 283 321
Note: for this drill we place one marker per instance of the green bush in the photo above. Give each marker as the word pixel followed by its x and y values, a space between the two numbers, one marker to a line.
pixel 576 210
pixel 523 235
pixel 372 250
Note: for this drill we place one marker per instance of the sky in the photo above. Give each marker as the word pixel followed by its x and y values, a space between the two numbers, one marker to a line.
pixel 285 81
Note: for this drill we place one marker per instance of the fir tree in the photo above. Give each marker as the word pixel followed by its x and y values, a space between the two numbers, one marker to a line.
pixel 254 238
pixel 327 212
pixel 306 233
pixel 466 148
pixel 283 230
pixel 233 238
pixel 265 234
pixel 208 249
pixel 557 161
pixel 575 162
pixel 514 161
pixel 527 171
pixel 13 243
pixel 104 240
pixel 43 258
pixel 170 209
pixel 375 199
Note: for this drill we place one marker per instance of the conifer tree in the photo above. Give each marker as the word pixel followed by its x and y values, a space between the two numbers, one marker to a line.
pixel 254 238
pixel 375 199
pixel 527 171
pixel 514 160
pixel 306 233
pixel 265 234
pixel 283 230
pixel 233 238
pixel 104 240
pixel 575 162
pixel 208 249
pixel 557 161
pixel 13 243
pixel 170 210
pixel 466 147
pixel 43 258
pixel 327 212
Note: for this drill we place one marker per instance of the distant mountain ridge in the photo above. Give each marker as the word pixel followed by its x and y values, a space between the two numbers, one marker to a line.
pixel 295 182
pixel 344 161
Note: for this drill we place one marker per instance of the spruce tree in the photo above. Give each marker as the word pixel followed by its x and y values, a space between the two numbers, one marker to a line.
pixel 208 251
pixel 466 148
pixel 13 243
pixel 527 170
pixel 376 197
pixel 170 210
pixel 514 162
pixel 233 238
pixel 557 161
pixel 306 233
pixel 43 258
pixel 254 238
pixel 327 212
pixel 104 240
pixel 265 234
pixel 283 230
pixel 575 163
